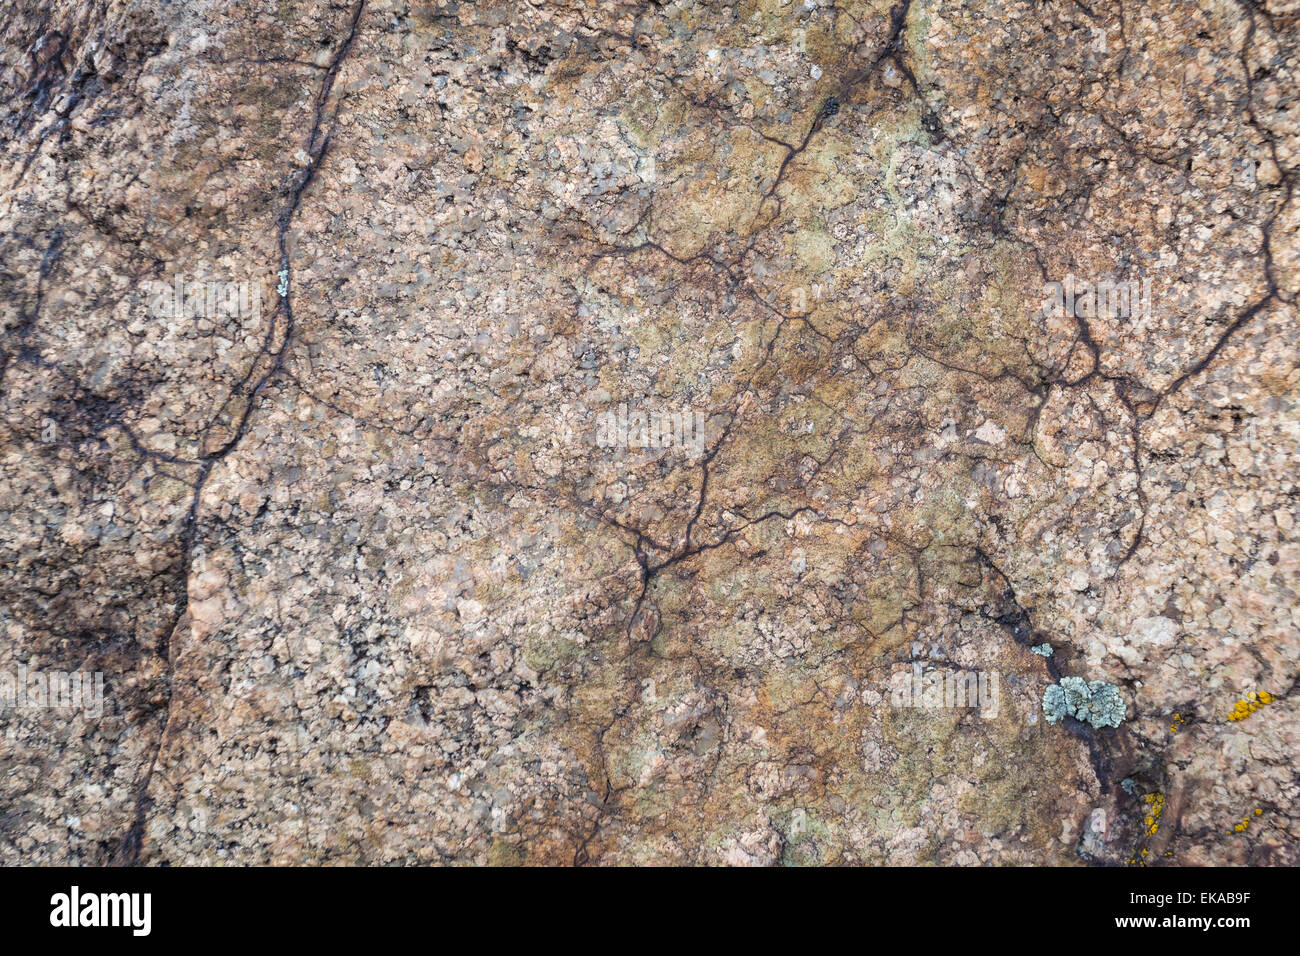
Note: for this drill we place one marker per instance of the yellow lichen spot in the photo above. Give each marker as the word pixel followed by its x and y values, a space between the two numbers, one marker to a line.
pixel 1249 704
pixel 1155 806
pixel 1179 720
pixel 1244 825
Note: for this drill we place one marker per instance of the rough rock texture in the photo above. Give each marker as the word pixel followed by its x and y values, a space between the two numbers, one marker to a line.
pixel 371 578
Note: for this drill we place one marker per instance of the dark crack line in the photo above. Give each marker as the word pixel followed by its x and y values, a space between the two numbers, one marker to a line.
pixel 128 853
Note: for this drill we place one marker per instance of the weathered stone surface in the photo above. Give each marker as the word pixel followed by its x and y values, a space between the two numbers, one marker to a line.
pixel 377 567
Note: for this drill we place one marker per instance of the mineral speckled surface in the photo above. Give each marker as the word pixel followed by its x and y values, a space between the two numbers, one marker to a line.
pixel 547 432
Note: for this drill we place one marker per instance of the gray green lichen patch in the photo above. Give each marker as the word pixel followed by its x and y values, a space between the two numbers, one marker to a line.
pixel 1094 702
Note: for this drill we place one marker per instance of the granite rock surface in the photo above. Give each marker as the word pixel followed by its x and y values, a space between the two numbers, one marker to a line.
pixel 612 432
